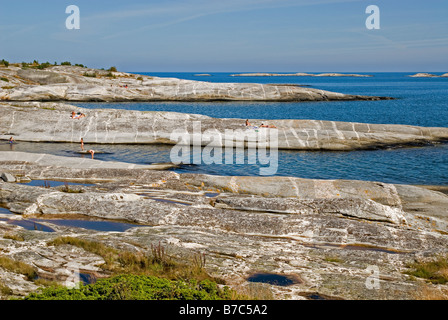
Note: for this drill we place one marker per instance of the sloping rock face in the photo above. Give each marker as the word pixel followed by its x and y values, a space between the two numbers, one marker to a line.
pixel 79 84
pixel 35 121
pixel 81 163
pixel 328 234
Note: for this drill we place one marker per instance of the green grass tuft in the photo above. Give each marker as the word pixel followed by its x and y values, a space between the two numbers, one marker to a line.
pixel 435 271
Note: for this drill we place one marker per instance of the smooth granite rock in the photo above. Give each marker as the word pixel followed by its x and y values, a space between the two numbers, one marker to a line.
pixel 7 177
pixel 52 122
pixel 64 83
pixel 325 233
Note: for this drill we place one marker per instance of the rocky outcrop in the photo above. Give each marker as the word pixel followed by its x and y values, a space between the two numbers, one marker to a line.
pixel 52 122
pixel 74 162
pixel 7 177
pixel 427 75
pixel 325 233
pixel 64 83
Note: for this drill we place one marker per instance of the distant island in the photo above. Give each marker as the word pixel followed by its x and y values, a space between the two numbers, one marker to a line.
pixel 66 82
pixel 299 74
pixel 428 75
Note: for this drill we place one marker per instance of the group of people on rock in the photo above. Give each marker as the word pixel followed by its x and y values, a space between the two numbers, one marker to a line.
pixel 92 152
pixel 80 115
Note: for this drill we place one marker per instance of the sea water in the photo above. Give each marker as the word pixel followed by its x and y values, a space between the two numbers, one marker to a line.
pixel 418 102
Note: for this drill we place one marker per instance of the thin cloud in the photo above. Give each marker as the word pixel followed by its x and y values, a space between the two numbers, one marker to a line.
pixel 180 12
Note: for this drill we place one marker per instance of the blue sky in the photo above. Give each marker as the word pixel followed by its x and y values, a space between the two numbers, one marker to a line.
pixel 230 35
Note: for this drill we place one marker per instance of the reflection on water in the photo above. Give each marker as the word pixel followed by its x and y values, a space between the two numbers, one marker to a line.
pixel 38 224
pixel 105 226
pixel 274 279
pixel 5 211
pixel 28 224
pixel 419 102
pixel 52 183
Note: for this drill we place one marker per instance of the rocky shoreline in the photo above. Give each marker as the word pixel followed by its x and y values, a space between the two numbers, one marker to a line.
pixel 327 235
pixel 64 83
pixel 52 122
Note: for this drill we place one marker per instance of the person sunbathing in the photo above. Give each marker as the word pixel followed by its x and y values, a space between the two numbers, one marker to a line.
pixel 78 115
pixel 267 126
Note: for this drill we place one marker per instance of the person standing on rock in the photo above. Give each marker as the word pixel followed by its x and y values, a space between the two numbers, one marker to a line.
pixel 11 143
pixel 82 144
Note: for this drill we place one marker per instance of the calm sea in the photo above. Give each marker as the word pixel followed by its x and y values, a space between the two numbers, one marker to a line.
pixel 419 101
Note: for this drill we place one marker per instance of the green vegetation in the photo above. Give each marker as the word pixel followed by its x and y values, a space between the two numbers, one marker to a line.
pixel 156 263
pixel 333 259
pixel 5 290
pixel 435 271
pixel 18 267
pixel 91 75
pixel 66 63
pixel 111 75
pixel 44 65
pixel 135 276
pixel 5 63
pixel 66 188
pixel 36 65
pixel 4 79
pixel 112 69
pixel 14 237
pixel 134 287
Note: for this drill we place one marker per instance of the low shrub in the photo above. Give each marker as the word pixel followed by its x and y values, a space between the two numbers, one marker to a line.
pixel 91 75
pixel 435 270
pixel 44 65
pixel 137 287
pixel 18 267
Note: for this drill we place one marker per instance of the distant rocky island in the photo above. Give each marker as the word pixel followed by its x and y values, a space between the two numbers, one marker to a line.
pixel 76 83
pixel 299 75
pixel 428 75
